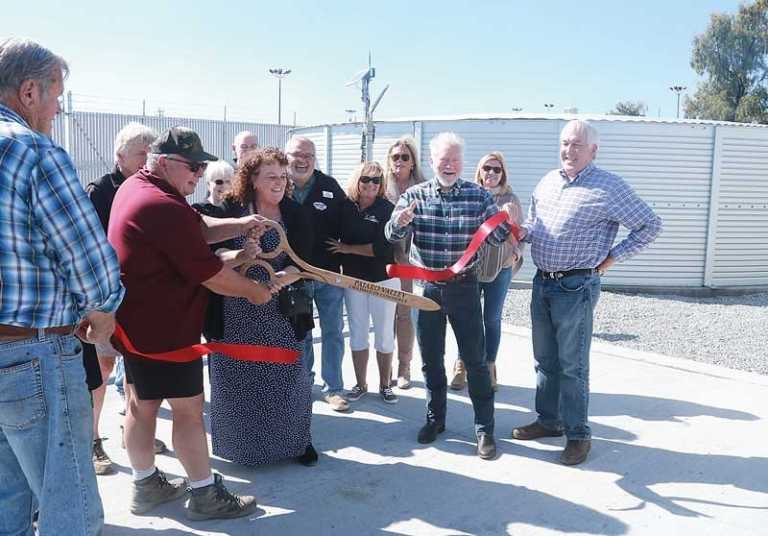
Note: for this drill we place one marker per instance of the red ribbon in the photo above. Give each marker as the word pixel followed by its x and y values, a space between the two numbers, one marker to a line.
pixel 406 271
pixel 242 352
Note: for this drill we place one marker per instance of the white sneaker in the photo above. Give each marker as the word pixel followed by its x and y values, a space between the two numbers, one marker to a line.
pixel 337 402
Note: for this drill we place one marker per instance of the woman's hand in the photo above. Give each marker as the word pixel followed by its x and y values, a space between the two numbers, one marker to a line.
pixel 250 252
pixel 336 246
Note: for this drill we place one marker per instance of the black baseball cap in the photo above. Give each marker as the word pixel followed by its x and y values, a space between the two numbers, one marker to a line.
pixel 183 142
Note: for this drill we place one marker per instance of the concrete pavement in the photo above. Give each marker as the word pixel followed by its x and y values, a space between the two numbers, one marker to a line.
pixel 679 447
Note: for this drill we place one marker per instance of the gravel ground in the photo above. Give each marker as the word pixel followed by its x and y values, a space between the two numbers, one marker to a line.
pixel 726 330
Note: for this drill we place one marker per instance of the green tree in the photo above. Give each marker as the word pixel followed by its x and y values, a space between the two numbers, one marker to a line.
pixel 733 56
pixel 629 108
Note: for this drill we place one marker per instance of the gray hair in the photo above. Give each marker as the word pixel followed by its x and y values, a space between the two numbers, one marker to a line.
pixel 152 161
pixel 22 59
pixel 445 139
pixel 243 134
pixel 133 134
pixel 590 133
pixel 220 169
pixel 296 139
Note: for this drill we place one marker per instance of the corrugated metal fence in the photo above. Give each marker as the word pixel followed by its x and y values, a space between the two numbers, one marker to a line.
pixel 709 182
pixel 89 138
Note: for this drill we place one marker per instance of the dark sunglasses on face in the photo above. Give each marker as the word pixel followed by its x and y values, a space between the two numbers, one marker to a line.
pixel 218 182
pixel 404 157
pixel 495 169
pixel 375 180
pixel 194 167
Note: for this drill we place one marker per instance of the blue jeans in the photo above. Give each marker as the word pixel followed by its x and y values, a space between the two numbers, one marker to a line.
pixel 561 317
pixel 46 437
pixel 330 311
pixel 493 294
pixel 460 305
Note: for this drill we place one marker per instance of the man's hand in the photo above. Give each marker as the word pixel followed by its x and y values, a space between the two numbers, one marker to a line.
pixel 96 327
pixel 335 246
pixel 251 251
pixel 282 279
pixel 605 265
pixel 406 215
pixel 253 225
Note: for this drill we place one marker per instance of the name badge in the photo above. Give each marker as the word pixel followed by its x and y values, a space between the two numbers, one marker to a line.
pixel 320 205
pixel 327 194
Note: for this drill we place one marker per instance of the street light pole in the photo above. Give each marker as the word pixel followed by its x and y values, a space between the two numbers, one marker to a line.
pixel 279 73
pixel 678 90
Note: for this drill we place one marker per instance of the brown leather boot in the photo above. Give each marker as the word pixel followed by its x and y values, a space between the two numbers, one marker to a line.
pixel 459 376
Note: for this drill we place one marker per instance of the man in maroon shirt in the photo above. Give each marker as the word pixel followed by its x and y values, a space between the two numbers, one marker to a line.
pixel 166 267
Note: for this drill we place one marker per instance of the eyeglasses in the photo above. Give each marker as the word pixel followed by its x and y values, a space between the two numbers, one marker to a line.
pixel 303 156
pixel 495 169
pixel 365 179
pixel 194 167
pixel 401 156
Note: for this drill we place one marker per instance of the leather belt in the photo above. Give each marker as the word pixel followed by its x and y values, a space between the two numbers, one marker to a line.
pixel 566 273
pixel 19 332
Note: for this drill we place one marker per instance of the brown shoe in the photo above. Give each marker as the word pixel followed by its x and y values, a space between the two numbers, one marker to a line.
pixel 576 451
pixel 337 402
pixel 217 502
pixel 534 431
pixel 155 490
pixel 102 465
pixel 459 376
pixel 492 371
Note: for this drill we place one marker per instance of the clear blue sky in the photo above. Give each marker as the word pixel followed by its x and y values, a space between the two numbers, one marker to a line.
pixel 446 57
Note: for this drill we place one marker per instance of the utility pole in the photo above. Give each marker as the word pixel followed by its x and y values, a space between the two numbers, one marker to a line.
pixel 678 90
pixel 279 73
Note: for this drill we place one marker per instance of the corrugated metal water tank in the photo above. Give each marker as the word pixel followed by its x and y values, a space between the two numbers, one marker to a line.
pixel 708 180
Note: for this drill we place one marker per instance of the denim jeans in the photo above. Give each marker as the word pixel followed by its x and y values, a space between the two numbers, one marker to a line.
pixel 330 311
pixel 46 437
pixel 460 305
pixel 561 317
pixel 493 295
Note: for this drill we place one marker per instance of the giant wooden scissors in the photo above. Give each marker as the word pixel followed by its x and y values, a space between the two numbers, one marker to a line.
pixel 338 280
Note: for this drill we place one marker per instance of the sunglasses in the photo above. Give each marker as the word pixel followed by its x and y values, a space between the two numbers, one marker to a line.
pixel 194 167
pixel 495 169
pixel 375 180
pixel 218 182
pixel 404 157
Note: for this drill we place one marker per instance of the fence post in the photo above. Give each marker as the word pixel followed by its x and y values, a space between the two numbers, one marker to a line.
pixel 67 124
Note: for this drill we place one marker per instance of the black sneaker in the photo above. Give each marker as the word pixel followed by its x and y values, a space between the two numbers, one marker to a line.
pixel 429 431
pixel 309 458
pixel 388 396
pixel 155 490
pixel 217 502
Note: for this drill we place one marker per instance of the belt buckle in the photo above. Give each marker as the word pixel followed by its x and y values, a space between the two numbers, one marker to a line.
pixel 554 275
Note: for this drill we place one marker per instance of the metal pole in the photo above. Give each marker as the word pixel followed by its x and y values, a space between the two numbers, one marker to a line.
pixel 279 101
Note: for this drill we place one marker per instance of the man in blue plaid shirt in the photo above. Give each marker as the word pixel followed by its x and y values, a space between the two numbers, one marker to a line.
pixel 443 214
pixel 58 276
pixel 573 220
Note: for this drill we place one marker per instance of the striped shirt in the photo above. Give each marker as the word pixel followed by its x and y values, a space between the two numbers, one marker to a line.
pixel 55 262
pixel 572 223
pixel 444 222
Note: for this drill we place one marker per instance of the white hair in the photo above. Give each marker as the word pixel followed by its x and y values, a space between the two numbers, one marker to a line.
pixel 590 133
pixel 22 59
pixel 133 134
pixel 297 139
pixel 445 139
pixel 220 169
pixel 152 161
pixel 243 134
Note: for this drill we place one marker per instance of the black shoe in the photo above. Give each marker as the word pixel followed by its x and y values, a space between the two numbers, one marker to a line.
pixel 486 446
pixel 309 458
pixel 429 431
pixel 576 451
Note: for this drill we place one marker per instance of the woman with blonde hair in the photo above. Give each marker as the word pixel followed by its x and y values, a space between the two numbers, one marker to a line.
pixel 402 172
pixel 497 265
pixel 365 255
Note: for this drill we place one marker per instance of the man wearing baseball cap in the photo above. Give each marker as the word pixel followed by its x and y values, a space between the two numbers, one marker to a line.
pixel 166 266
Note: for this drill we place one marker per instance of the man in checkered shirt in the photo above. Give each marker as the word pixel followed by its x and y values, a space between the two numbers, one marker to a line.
pixel 572 223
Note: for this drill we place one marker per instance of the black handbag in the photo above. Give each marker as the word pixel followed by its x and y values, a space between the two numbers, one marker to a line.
pixel 296 305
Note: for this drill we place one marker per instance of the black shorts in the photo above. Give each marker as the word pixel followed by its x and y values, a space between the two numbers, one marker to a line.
pixel 155 380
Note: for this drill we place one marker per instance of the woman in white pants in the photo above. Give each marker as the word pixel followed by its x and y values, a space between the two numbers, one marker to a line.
pixel 365 255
